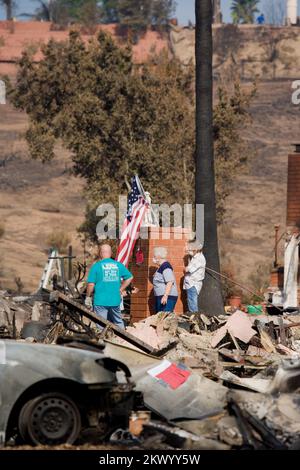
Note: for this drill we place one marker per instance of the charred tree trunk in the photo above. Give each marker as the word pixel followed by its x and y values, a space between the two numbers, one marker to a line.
pixel 211 301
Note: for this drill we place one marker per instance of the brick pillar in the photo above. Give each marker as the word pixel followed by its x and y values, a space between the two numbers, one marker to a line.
pixel 174 239
pixel 293 189
pixel 277 278
pixel 293 196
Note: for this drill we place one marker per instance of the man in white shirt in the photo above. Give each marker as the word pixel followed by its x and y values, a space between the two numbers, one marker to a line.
pixel 194 275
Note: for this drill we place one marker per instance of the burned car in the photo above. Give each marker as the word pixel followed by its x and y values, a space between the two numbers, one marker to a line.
pixel 50 395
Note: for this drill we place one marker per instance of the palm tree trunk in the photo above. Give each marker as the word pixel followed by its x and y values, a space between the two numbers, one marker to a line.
pixel 8 7
pixel 217 15
pixel 211 301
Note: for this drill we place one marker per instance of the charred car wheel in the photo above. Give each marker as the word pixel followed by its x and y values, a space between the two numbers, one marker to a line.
pixel 50 419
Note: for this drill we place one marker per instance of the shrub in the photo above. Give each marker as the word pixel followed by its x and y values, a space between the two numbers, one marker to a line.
pixel 59 240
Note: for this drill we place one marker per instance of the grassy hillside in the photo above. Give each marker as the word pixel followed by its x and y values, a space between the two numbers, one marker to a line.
pixel 258 201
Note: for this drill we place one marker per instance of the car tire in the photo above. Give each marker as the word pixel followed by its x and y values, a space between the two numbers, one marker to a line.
pixel 50 419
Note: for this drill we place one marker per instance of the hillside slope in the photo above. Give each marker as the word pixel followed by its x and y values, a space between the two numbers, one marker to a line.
pixel 35 200
pixel 258 201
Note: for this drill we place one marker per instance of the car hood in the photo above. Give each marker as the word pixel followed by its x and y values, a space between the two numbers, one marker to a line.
pixel 41 361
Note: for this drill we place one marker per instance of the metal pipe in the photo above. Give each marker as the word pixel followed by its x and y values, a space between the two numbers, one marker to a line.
pixel 70 266
pixel 276 227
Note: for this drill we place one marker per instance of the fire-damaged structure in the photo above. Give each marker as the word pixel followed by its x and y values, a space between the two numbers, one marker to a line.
pixel 167 381
pixel 284 289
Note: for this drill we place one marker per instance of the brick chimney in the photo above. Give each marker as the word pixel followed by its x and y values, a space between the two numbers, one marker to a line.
pixel 293 190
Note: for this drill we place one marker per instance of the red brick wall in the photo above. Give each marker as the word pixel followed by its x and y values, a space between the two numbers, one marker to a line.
pixel 142 304
pixel 293 190
pixel 19 34
pixel 277 277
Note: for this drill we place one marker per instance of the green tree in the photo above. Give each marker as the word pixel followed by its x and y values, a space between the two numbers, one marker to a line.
pixel 82 11
pixel 137 15
pixel 243 11
pixel 110 11
pixel 63 12
pixel 51 10
pixel 133 16
pixel 107 115
pixel 117 120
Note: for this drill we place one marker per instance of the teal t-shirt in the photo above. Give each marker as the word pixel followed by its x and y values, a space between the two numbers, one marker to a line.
pixel 107 275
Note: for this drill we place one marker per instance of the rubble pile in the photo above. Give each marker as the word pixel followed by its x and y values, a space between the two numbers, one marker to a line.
pixel 256 359
pixel 12 316
pixel 226 382
pixel 237 341
pixel 18 312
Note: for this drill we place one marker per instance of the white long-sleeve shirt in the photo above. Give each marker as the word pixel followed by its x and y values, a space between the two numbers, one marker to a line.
pixel 195 272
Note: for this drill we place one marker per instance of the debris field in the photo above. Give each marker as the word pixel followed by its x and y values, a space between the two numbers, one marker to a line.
pixel 223 382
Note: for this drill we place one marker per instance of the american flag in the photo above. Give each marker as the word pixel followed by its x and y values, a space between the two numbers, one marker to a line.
pixel 136 209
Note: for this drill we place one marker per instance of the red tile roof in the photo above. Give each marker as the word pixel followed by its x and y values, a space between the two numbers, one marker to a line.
pixel 17 35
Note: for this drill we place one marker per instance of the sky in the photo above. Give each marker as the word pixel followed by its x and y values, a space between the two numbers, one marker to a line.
pixel 185 9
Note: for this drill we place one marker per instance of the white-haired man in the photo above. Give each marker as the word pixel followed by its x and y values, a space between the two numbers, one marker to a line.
pixel 194 275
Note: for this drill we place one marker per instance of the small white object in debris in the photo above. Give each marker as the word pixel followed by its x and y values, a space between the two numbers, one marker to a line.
pixel 30 339
pixel 160 368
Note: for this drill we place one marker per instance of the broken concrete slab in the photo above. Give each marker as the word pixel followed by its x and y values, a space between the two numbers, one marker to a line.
pixel 192 342
pixel 257 352
pixel 158 331
pixel 238 325
pixel 145 333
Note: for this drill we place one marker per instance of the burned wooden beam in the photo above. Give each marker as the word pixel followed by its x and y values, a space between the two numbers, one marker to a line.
pixel 282 332
pixel 62 299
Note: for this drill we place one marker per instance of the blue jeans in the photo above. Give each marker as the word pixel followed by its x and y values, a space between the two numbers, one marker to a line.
pixel 112 314
pixel 170 305
pixel 192 299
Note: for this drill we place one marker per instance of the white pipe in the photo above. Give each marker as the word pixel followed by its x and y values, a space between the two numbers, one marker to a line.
pixel 292 11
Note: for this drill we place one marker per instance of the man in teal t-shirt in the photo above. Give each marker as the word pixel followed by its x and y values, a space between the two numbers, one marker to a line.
pixel 107 280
